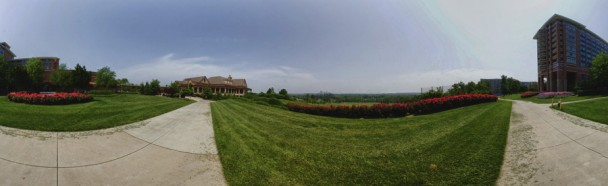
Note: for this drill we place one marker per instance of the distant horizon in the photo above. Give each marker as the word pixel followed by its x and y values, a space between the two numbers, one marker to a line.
pixel 302 46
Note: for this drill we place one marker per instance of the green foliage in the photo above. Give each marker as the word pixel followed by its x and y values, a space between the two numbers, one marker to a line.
pixel 153 88
pixel 433 93
pixel 270 91
pixel 261 145
pixel 35 71
pixel 62 79
pixel 81 78
pixel 508 85
pixel 599 70
pixel 481 87
pixel 207 93
pixel 106 78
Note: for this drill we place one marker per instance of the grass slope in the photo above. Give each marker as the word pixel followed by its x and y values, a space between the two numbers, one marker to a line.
pixel 261 145
pixel 535 99
pixel 104 112
pixel 594 110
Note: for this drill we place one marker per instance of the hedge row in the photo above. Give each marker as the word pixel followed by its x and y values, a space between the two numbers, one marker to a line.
pixel 426 106
pixel 528 94
pixel 62 98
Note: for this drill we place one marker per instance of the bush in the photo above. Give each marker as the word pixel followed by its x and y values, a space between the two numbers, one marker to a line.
pixel 528 94
pixel 554 94
pixel 62 98
pixel 426 106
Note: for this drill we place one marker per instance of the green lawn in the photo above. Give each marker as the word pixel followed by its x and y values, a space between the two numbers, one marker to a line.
pixel 104 112
pixel 262 145
pixel 592 110
pixel 548 100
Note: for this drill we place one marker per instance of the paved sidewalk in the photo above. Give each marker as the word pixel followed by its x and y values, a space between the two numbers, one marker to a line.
pixel 176 148
pixel 548 147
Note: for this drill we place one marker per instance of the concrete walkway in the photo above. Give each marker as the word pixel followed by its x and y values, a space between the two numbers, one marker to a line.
pixel 548 147
pixel 176 148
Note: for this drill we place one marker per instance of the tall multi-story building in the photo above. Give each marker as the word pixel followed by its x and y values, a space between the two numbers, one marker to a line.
pixel 565 51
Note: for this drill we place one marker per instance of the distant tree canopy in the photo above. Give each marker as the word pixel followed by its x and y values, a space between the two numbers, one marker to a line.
pixel 106 78
pixel 152 88
pixel 509 85
pixel 481 87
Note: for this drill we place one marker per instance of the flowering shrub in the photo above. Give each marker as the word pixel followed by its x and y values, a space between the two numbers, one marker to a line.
pixel 528 94
pixel 62 98
pixel 554 94
pixel 426 106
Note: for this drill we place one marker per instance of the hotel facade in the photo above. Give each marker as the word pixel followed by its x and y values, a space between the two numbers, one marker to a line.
pixel 217 84
pixel 565 49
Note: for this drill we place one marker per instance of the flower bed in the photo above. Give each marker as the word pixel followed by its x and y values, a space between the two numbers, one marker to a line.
pixel 62 98
pixel 528 94
pixel 554 94
pixel 426 106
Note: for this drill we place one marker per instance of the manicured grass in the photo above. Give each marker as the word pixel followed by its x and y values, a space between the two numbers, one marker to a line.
pixel 535 99
pixel 594 110
pixel 261 145
pixel 104 111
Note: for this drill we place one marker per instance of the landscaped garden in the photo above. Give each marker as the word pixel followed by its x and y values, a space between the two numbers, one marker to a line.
pixel 104 111
pixel 592 110
pixel 265 145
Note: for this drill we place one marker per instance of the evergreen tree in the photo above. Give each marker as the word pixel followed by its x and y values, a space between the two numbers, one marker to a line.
pixel 81 77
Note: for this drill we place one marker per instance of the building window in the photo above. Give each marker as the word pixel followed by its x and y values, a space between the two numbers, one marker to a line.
pixel 571 60
pixel 571 54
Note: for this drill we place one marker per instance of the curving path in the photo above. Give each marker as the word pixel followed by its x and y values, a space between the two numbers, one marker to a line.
pixel 549 147
pixel 176 148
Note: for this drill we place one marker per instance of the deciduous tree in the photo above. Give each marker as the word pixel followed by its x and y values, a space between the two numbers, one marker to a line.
pixel 106 78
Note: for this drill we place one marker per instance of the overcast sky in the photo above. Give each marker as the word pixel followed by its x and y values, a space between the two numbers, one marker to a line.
pixel 368 46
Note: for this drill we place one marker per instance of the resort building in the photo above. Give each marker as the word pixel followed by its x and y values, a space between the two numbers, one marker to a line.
pixel 565 51
pixel 217 84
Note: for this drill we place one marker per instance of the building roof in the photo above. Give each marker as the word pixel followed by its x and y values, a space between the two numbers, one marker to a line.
pixel 196 79
pixel 239 82
pixel 557 17
pixel 216 80
pixel 7 48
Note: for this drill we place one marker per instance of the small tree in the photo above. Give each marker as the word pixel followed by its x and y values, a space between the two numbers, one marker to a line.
pixel 62 78
pixel 270 92
pixel 106 78
pixel 155 87
pixel 283 94
pixel 81 77
pixel 207 93
pixel 122 82
pixel 35 71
